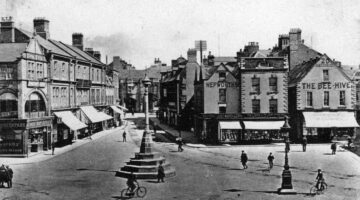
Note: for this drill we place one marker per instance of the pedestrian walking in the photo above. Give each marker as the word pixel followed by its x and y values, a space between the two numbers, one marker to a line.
pixel 304 143
pixel 349 141
pixel 180 144
pixel 161 173
pixel 53 147
pixel 124 136
pixel 244 159
pixel 333 148
pixel 11 174
pixel 271 159
pixel 154 127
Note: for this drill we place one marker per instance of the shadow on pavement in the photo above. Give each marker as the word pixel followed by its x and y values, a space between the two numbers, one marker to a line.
pixel 235 169
pixel 97 170
pixel 120 197
pixel 329 154
pixel 266 192
pixel 152 182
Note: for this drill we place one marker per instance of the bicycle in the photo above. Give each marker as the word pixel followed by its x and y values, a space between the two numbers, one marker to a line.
pixel 314 190
pixel 140 191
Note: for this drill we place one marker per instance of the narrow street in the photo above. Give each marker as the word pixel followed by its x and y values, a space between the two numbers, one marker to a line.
pixel 87 172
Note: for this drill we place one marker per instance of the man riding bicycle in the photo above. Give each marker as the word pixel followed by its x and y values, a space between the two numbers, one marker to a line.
pixel 320 180
pixel 131 182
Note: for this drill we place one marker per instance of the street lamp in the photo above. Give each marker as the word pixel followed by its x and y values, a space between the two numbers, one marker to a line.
pixel 286 185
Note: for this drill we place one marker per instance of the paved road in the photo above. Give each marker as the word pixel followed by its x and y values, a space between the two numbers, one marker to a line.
pixel 202 173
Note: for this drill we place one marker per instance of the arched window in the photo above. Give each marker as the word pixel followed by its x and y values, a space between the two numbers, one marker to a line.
pixel 8 105
pixel 35 106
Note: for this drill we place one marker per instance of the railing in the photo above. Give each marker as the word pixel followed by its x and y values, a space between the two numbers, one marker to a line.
pixel 35 114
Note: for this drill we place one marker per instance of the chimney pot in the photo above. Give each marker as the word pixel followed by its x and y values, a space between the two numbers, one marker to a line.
pixel 41 27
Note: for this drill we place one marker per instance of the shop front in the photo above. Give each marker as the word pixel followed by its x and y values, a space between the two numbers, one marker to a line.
pixel 324 126
pixel 68 127
pixel 229 131
pixel 21 137
pixel 262 131
pixel 95 120
pixel 118 115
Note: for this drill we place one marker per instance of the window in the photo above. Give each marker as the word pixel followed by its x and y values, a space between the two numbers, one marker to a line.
pixel 342 98
pixel 222 95
pixel 165 92
pixel 78 73
pixel 255 83
pixel 29 70
pixel 92 74
pixel 84 73
pixel 222 109
pixel 273 84
pixel 326 75
pixel 71 72
pixel 273 105
pixel 222 75
pixel 326 98
pixel 256 105
pixel 55 69
pixel 309 99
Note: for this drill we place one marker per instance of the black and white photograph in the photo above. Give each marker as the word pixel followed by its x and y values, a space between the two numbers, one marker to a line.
pixel 179 99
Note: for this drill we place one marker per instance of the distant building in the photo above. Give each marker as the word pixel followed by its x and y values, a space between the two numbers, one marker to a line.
pixel 131 89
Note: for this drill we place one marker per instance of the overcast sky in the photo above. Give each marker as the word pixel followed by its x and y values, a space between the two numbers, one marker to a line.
pixel 139 31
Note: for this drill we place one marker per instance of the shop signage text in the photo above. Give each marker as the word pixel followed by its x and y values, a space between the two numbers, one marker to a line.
pixel 222 84
pixel 11 147
pixel 326 85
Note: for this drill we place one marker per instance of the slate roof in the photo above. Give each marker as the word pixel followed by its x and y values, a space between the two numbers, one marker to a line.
pixel 269 62
pixel 10 52
pixel 224 59
pixel 300 71
pixel 50 46
pixel 136 75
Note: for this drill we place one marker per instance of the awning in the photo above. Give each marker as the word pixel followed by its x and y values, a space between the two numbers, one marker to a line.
pixel 70 120
pixel 116 109
pixel 230 125
pixel 340 119
pixel 94 115
pixel 123 108
pixel 263 125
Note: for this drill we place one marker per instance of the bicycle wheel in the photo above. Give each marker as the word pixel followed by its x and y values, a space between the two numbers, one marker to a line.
pixel 324 186
pixel 125 193
pixel 141 191
pixel 313 190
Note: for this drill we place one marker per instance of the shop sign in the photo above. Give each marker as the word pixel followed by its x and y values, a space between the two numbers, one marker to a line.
pixel 18 124
pixel 7 114
pixel 222 84
pixel 11 147
pixel 326 85
pixel 36 84
pixel 42 123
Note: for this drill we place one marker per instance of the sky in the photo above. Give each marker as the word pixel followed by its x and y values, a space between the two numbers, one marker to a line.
pixel 139 31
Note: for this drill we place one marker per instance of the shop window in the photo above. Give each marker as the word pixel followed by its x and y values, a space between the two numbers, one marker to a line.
pixel 256 105
pixel 222 95
pixel 309 99
pixel 273 84
pixel 7 72
pixel 326 98
pixel 255 85
pixel 342 98
pixel 273 105
pixel 326 75
pixel 222 110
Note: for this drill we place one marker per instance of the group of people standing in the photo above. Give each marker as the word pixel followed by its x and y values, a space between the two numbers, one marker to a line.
pixel 6 175
pixel 244 160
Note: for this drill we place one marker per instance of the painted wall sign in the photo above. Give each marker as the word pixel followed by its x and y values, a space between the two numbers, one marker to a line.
pixel 222 84
pixel 326 85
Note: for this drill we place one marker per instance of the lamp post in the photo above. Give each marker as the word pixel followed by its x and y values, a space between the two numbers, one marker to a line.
pixel 286 185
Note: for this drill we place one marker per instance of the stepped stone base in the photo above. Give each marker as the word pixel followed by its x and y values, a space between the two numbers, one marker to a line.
pixel 145 166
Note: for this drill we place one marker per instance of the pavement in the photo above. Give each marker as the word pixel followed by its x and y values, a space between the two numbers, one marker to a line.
pixel 46 155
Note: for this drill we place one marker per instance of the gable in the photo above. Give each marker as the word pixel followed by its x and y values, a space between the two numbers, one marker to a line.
pixel 34 47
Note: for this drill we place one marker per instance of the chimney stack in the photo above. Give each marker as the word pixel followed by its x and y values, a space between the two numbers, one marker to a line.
pixel 7 31
pixel 41 27
pixel 89 51
pixel 191 55
pixel 77 41
pixel 97 55
pixel 295 38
